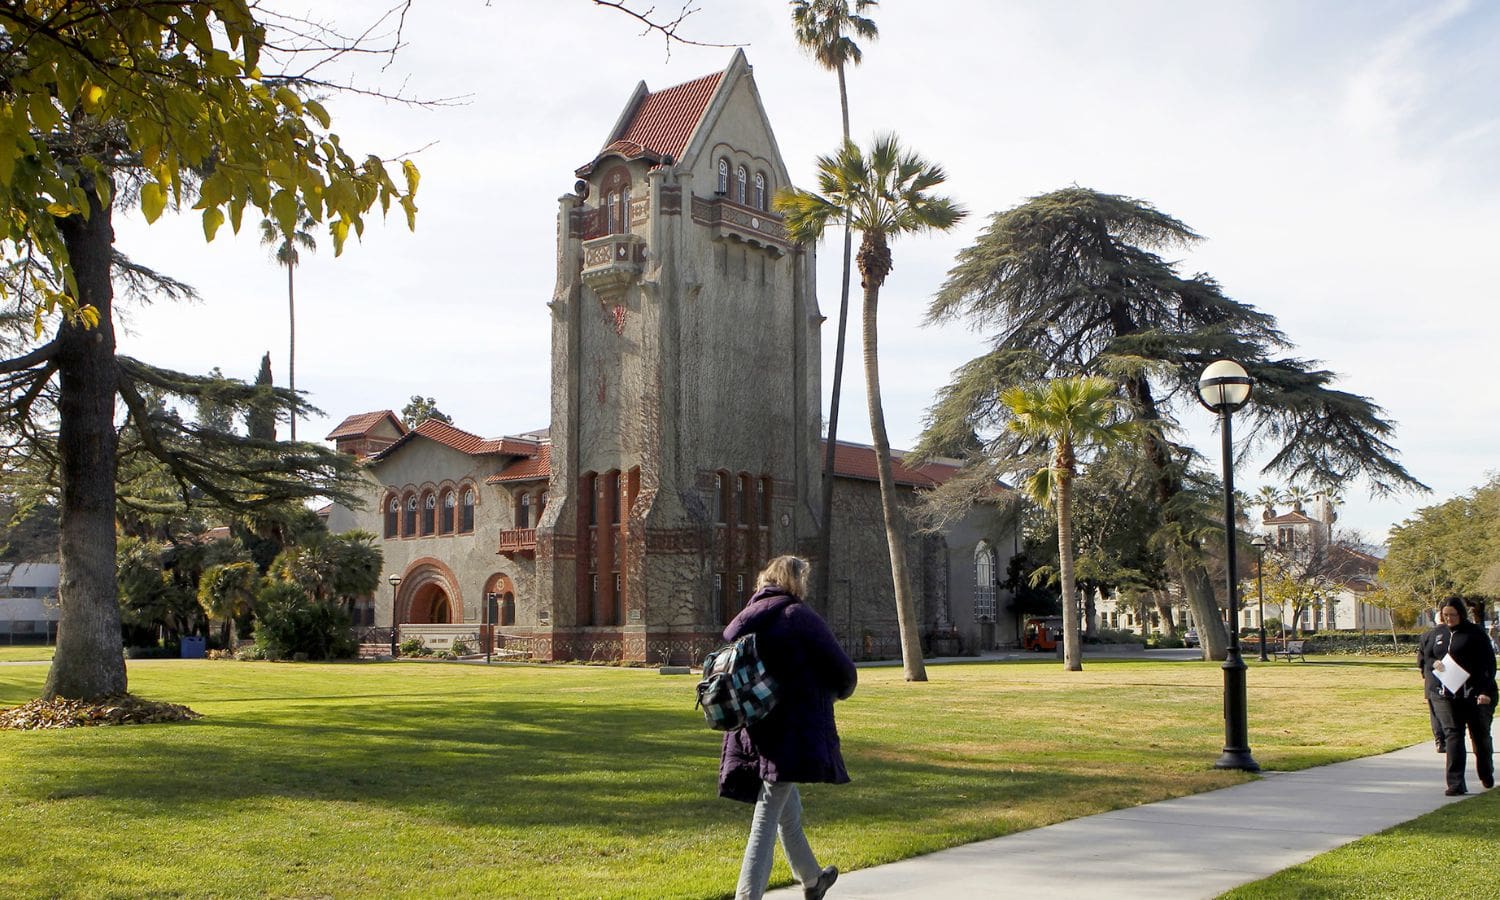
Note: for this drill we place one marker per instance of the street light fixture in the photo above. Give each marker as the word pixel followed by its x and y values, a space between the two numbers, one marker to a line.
pixel 395 581
pixel 1259 543
pixel 1223 388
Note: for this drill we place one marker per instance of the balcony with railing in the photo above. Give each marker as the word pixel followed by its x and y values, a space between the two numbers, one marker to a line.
pixel 613 262
pixel 727 219
pixel 514 541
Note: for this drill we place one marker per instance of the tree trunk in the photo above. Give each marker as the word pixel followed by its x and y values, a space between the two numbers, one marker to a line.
pixel 906 610
pixel 823 574
pixel 1072 649
pixel 1090 611
pixel 291 356
pixel 1164 611
pixel 89 662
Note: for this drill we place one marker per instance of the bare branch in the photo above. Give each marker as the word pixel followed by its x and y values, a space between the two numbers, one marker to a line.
pixel 667 28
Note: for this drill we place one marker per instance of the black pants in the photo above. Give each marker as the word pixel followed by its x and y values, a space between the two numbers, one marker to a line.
pixel 1459 715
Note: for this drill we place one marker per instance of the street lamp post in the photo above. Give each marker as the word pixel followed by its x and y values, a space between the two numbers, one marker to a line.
pixel 1259 543
pixel 395 581
pixel 1223 388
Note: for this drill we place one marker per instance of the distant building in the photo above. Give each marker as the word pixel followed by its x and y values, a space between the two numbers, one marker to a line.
pixel 28 601
pixel 684 445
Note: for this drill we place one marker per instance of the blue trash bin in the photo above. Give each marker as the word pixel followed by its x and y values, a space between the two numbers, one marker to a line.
pixel 193 647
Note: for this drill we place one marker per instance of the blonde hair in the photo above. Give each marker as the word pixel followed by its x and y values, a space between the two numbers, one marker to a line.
pixel 786 572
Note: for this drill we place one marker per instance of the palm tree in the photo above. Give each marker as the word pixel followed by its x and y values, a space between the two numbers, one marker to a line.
pixel 882 195
pixel 225 592
pixel 1266 498
pixel 822 28
pixel 1069 414
pixel 286 246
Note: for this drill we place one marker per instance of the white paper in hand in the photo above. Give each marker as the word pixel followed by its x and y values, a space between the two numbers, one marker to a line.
pixel 1453 676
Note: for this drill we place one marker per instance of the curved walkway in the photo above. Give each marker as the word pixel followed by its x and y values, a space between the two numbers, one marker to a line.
pixel 1190 847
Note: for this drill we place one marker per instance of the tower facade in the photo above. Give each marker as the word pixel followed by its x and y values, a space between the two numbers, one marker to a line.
pixel 685 379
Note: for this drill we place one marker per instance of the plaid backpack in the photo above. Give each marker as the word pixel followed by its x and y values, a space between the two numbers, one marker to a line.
pixel 736 690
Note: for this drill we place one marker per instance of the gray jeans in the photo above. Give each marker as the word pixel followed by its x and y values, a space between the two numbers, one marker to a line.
pixel 777 810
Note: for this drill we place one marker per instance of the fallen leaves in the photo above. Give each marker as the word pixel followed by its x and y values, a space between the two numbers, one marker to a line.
pixel 63 713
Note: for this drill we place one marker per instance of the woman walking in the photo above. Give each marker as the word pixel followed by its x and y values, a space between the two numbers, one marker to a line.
pixel 1465 703
pixel 797 741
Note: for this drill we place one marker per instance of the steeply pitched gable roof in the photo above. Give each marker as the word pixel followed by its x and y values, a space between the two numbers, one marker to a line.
pixel 360 424
pixel 659 124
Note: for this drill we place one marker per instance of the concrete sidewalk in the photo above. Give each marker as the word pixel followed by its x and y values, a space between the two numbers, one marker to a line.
pixel 1198 846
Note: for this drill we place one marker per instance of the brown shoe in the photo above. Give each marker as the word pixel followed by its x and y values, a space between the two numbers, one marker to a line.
pixel 826 878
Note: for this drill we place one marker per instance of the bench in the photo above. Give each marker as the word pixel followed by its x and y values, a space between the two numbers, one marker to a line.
pixel 1291 649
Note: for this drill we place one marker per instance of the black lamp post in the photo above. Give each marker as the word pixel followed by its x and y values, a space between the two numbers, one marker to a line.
pixel 395 581
pixel 1223 388
pixel 1259 543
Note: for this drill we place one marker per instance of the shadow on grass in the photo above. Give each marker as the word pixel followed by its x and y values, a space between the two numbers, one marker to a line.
pixel 489 763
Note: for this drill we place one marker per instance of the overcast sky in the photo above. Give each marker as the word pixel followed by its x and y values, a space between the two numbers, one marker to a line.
pixel 1338 157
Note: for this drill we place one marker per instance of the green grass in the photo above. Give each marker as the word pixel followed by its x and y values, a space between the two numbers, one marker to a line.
pixel 449 780
pixel 25 653
pixel 1447 853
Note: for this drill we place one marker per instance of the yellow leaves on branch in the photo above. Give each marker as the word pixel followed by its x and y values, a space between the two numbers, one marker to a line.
pixel 185 109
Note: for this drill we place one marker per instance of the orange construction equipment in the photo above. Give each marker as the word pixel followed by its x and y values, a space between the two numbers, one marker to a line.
pixel 1041 634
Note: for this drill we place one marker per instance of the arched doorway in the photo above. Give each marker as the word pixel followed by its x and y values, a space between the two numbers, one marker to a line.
pixel 500 596
pixel 429 595
pixel 430 606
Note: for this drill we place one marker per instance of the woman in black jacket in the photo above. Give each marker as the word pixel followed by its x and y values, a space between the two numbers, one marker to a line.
pixel 797 741
pixel 1467 706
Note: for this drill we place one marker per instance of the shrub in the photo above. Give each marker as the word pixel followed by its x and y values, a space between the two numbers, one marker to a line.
pixel 1370 643
pixel 413 646
pixel 1118 636
pixel 291 623
pixel 1166 642
pixel 461 648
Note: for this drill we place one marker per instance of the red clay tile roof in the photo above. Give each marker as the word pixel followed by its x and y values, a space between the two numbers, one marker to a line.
pixel 360 424
pixel 662 122
pixel 665 120
pixel 858 461
pixel 1291 518
pixel 532 468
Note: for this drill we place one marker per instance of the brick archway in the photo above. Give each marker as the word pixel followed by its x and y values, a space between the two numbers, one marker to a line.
pixel 428 587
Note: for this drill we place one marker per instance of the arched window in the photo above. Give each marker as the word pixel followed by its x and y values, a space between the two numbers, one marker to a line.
pixel 409 526
pixel 740 176
pixel 722 186
pixel 448 513
pixel 523 512
pixel 466 513
pixel 760 191
pixel 984 582
pixel 625 208
pixel 719 506
pixel 392 516
pixel 429 513
pixel 541 505
pixel 612 202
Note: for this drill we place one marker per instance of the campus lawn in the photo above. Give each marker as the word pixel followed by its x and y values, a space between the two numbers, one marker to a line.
pixel 452 780
pixel 25 653
pixel 1447 853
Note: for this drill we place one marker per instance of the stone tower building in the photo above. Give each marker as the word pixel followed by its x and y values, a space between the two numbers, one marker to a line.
pixel 685 374
pixel 684 447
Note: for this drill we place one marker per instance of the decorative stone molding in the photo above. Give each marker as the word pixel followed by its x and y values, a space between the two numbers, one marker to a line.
pixel 728 220
pixel 613 262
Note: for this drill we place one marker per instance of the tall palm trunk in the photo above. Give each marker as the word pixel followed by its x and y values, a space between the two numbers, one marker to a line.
pixel 1072 651
pixel 88 663
pixel 874 263
pixel 291 356
pixel 824 572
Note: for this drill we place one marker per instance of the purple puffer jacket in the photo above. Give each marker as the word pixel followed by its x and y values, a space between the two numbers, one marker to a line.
pixel 798 740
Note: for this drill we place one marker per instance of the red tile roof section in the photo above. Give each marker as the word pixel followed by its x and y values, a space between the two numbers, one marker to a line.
pixel 665 120
pixel 457 438
pixel 1291 518
pixel 360 424
pixel 858 461
pixel 533 468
